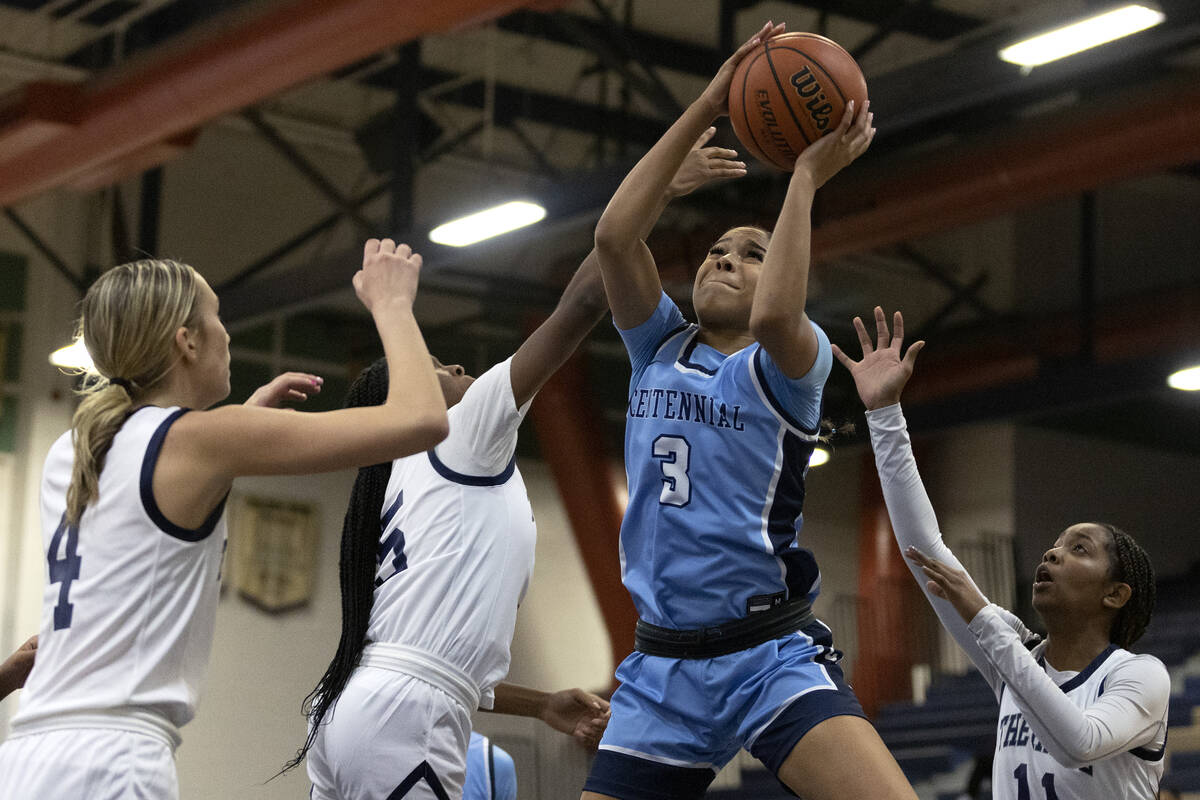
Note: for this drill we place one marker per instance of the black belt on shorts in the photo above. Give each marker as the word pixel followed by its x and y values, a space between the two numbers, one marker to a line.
pixel 728 637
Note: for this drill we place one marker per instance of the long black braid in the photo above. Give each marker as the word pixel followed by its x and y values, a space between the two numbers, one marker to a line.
pixel 1130 565
pixel 356 573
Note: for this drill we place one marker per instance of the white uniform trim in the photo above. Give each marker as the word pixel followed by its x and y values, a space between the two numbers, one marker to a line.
pixel 130 719
pixel 425 666
pixel 674 762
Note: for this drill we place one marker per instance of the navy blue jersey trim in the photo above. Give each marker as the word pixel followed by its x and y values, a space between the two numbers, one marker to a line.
pixel 1078 680
pixel 422 771
pixel 472 480
pixel 774 401
pixel 1146 754
pixel 491 762
pixel 685 358
pixel 677 330
pixel 147 490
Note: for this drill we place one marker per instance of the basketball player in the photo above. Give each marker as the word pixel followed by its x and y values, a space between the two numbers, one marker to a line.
pixel 132 501
pixel 1081 717
pixel 722 419
pixel 437 551
pixel 491 774
pixel 16 667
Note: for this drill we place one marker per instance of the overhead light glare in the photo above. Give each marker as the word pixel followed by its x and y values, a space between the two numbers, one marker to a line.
pixel 819 456
pixel 1185 380
pixel 73 356
pixel 1078 36
pixel 487 223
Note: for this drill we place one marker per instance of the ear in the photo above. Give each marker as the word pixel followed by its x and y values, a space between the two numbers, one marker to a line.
pixel 186 344
pixel 1118 595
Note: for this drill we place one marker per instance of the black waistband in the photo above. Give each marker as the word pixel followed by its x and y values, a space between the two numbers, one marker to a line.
pixel 728 637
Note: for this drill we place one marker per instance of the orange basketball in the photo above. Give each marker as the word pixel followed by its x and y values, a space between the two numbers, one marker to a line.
pixel 788 92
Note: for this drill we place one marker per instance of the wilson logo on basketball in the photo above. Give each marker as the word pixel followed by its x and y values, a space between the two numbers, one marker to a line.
pixel 811 93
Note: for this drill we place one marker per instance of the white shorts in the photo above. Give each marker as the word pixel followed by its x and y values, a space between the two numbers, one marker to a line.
pixel 390 736
pixel 87 764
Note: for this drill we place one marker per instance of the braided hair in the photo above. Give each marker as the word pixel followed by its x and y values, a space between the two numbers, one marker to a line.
pixel 1131 565
pixel 356 569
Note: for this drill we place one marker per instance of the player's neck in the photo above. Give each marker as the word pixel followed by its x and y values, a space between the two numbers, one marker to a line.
pixel 727 341
pixel 1074 647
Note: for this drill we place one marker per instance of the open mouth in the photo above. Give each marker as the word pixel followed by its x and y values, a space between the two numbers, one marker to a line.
pixel 1042 577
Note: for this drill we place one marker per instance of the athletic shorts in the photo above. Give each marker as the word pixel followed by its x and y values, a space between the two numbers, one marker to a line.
pixel 87 764
pixel 390 736
pixel 676 722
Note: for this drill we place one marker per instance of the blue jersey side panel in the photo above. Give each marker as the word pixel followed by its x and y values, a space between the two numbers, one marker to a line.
pixel 716 451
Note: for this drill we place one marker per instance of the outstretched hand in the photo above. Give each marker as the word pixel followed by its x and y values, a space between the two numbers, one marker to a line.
pixel 881 374
pixel 716 94
pixel 825 157
pixel 704 164
pixel 950 584
pixel 389 274
pixel 295 386
pixel 581 715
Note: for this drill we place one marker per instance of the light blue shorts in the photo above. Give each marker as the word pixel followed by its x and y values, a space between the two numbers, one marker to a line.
pixel 676 722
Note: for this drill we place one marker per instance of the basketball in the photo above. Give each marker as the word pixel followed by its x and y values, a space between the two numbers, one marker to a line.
pixel 788 92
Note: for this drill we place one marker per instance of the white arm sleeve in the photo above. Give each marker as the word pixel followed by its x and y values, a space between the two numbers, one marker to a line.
pixel 915 523
pixel 1128 714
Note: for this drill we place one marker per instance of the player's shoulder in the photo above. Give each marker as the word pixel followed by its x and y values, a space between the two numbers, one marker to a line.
pixel 1144 666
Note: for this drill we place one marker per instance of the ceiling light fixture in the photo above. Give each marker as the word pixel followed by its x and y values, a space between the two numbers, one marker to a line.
pixel 73 356
pixel 1078 36
pixel 488 223
pixel 819 456
pixel 1185 380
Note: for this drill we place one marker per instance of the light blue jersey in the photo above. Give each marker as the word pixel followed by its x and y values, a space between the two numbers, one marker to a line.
pixel 716 451
pixel 491 774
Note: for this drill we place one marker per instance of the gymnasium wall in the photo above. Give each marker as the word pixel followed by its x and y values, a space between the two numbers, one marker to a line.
pixel 1065 478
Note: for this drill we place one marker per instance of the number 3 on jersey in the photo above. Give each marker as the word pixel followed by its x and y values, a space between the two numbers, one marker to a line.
pixel 674 452
pixel 64 570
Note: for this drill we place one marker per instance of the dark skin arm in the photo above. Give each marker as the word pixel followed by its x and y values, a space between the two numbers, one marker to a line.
pixel 583 302
pixel 16 667
pixel 581 715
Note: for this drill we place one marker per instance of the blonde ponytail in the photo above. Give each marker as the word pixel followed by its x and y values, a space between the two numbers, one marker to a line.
pixel 128 322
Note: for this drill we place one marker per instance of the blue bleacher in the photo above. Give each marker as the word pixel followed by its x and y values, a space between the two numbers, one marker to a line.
pixel 959 713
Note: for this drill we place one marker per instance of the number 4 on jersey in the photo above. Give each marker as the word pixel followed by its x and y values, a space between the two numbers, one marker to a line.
pixel 64 570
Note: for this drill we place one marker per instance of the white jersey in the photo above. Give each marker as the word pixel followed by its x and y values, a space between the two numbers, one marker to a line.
pixel 129 609
pixel 457 541
pixel 1024 768
pixel 1099 733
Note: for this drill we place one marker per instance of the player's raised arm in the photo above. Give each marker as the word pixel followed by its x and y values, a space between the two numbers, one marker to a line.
pixel 240 440
pixel 583 302
pixel 630 277
pixel 778 319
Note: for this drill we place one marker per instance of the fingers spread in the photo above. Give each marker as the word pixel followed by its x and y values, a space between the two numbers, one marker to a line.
pixel 847 362
pixel 863 339
pixel 882 335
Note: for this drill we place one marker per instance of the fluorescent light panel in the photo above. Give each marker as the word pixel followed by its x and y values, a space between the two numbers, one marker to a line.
pixel 73 356
pixel 488 223
pixel 1079 36
pixel 1186 380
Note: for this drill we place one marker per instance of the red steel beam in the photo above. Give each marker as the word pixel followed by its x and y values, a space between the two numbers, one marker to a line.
pixel 1133 134
pixel 237 62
